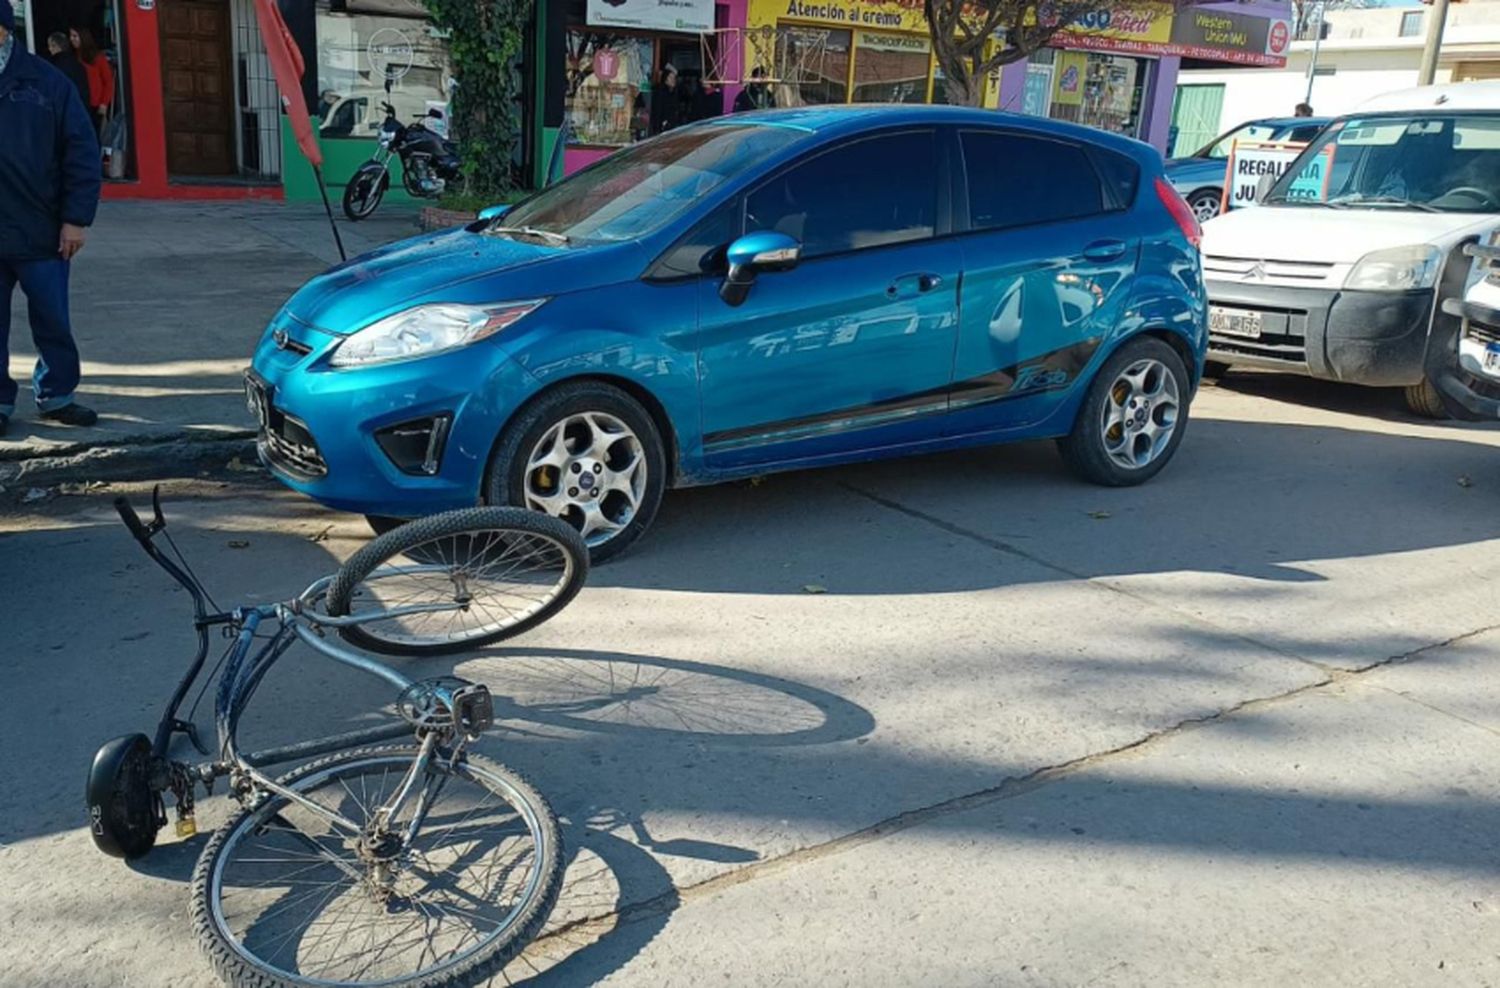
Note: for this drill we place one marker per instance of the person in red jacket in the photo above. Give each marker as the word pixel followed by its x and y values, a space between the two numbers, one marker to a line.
pixel 100 73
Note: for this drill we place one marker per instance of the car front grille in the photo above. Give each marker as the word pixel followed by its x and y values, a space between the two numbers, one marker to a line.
pixel 290 446
pixel 1252 270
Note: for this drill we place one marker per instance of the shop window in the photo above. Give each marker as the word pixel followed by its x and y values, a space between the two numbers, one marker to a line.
pixel 373 52
pixel 1015 180
pixel 869 193
pixel 608 100
pixel 891 68
pixel 813 65
pixel 1102 91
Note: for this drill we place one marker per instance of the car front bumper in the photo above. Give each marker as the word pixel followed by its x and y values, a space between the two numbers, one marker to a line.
pixel 1469 390
pixel 338 436
pixel 1372 338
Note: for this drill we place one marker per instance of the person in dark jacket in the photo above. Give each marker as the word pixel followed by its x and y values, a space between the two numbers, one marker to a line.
pixel 49 188
pixel 67 63
pixel 666 102
pixel 756 95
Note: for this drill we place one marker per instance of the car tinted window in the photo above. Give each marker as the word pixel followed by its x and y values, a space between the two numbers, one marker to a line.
pixel 868 193
pixel 701 249
pixel 1016 180
pixel 1121 177
pixel 1301 135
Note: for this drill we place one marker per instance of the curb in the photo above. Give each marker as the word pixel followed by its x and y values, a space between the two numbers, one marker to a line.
pixel 134 461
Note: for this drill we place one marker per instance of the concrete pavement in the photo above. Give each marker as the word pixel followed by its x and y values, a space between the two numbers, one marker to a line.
pixel 1236 726
pixel 168 302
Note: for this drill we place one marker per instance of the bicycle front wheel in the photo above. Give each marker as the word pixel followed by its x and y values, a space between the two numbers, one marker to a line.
pixel 282 897
pixel 460 579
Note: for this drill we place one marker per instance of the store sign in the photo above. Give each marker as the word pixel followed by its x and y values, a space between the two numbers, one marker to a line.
pixel 1250 164
pixel 1239 38
pixel 893 15
pixel 872 41
pixel 1140 27
pixel 659 15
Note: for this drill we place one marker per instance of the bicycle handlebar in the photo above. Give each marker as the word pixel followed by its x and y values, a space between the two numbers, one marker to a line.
pixel 132 520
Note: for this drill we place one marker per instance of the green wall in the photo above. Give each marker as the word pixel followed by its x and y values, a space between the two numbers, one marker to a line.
pixel 341 157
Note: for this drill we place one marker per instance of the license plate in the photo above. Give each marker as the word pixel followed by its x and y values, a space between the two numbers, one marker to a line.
pixel 257 401
pixel 1234 322
pixel 1491 363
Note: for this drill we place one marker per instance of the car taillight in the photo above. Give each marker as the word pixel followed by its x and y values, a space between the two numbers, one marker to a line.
pixel 1180 210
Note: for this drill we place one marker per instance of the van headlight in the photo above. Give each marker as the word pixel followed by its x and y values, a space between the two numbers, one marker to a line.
pixel 425 330
pixel 1398 269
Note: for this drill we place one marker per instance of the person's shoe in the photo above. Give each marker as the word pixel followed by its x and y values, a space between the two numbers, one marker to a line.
pixel 72 415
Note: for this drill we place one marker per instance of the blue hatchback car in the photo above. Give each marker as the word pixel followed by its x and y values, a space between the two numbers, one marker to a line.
pixel 758 292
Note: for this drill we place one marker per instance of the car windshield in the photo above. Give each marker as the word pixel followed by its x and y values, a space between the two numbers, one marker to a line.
pixel 1249 132
pixel 1433 162
pixel 638 190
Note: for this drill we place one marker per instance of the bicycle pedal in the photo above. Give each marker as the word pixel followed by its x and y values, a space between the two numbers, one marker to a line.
pixel 473 709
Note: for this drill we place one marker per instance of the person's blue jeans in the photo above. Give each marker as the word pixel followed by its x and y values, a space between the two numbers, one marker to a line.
pixel 45 284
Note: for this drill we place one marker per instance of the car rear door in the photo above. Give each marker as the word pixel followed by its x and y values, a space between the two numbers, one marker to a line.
pixel 853 348
pixel 1047 258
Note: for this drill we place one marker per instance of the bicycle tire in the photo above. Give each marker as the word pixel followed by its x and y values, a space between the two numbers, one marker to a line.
pixel 449 525
pixel 230 962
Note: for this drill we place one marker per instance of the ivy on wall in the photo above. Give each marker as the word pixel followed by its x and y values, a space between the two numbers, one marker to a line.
pixel 484 44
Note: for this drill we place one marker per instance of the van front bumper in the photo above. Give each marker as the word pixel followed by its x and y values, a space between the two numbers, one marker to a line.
pixel 1371 338
pixel 1468 390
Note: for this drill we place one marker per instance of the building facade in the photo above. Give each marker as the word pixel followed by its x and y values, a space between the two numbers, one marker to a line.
pixel 1365 53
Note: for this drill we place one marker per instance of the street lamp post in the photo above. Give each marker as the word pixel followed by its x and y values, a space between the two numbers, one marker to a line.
pixel 1312 66
pixel 1434 44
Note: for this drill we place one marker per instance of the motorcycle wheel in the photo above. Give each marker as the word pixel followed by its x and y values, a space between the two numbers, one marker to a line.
pixel 363 194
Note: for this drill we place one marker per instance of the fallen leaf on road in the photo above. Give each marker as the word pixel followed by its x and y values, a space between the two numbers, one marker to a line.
pixel 813 588
pixel 1464 481
pixel 320 536
pixel 241 466
pixel 238 544
pixel 35 494
pixel 1099 515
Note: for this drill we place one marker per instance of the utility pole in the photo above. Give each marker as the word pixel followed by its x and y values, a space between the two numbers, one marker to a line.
pixel 1436 21
pixel 1312 66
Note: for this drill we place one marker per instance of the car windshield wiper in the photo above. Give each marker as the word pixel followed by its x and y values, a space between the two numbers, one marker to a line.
pixel 531 231
pixel 1343 202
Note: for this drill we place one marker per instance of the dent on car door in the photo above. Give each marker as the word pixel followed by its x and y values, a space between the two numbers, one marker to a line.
pixel 853 347
pixel 1047 258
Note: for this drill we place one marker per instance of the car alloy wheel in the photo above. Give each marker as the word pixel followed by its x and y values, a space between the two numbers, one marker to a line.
pixel 589 469
pixel 1205 205
pixel 1139 414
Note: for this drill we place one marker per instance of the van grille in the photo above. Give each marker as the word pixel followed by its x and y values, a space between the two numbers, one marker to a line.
pixel 1254 270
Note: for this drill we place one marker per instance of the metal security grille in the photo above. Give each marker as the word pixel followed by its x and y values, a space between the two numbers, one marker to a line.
pixel 258 130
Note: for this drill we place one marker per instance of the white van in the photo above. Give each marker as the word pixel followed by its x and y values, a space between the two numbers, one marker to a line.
pixel 1339 272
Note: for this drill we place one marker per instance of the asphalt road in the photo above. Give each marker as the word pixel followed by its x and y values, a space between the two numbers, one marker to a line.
pixel 952 720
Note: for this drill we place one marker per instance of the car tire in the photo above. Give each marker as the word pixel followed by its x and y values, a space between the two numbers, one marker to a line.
pixel 1424 400
pixel 1205 203
pixel 380 524
pixel 1142 382
pixel 512 477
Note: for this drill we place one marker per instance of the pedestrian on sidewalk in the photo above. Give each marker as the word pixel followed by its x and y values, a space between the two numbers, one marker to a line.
pixel 67 63
pixel 49 184
pixel 101 75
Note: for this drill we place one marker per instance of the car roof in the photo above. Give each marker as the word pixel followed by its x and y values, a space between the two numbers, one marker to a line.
pixel 1452 96
pixel 833 119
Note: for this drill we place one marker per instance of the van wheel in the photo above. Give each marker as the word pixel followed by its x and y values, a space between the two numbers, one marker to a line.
pixel 589 454
pixel 1133 416
pixel 1423 399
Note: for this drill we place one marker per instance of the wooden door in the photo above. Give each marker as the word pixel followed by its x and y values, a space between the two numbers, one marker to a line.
pixel 196 87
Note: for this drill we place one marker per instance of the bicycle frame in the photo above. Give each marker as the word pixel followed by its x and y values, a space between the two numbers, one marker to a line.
pixel 244 668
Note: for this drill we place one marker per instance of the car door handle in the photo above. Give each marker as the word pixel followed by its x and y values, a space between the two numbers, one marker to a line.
pixel 913 284
pixel 1105 250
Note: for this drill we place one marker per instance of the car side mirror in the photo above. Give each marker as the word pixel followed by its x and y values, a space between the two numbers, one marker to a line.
pixel 755 253
pixel 493 212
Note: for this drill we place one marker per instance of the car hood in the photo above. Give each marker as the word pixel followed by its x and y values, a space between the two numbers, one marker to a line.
pixel 453 266
pixel 1332 236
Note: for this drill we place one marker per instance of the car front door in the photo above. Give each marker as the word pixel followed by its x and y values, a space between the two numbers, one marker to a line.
pixel 1047 261
pixel 853 348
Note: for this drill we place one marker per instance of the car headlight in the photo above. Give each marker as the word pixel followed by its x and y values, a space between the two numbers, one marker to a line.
pixel 1398 269
pixel 425 330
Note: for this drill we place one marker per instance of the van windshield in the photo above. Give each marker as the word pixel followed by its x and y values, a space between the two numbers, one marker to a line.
pixel 640 189
pixel 1433 162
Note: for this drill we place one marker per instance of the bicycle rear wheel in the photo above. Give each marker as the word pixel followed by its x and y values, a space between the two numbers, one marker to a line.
pixel 281 897
pixel 495 572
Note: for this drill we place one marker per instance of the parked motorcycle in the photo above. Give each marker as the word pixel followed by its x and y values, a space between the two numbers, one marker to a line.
pixel 428 164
